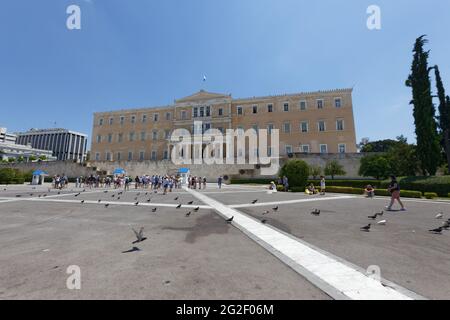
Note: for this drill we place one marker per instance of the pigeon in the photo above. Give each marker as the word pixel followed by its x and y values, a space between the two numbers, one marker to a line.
pixel 139 235
pixel 31 194
pixel 106 191
pixel 190 202
pixel 82 201
pixel 107 205
pixel 132 250
pixel 18 195
pixel 121 192
pixel 446 225
pixel 373 217
pixel 39 196
pixel 44 195
pixel 254 201
pixel 84 190
pixel 179 206
pixel 138 194
pixel 59 192
pixel 113 196
pixel 196 209
pixel 380 213
pixel 263 221
pixel 275 209
pixel 366 228
pixel 135 199
pixel 439 215
pixel 4 189
pixel 188 214
pixel 437 230
pixel 382 222
pixel 146 193
pixel 154 210
pixel 77 194
pixel 175 199
pixel 118 198
pixel 266 212
pixel 316 212
pixel 230 220
pixel 149 200
pixel 99 200
pixel 137 203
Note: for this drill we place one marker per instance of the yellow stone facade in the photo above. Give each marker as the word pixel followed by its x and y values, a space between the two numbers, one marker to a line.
pixel 315 122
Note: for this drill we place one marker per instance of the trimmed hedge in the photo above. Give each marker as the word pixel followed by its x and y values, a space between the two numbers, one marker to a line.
pixel 350 190
pixel 430 195
pixel 438 185
pixel 11 176
pixel 349 183
pixel 410 194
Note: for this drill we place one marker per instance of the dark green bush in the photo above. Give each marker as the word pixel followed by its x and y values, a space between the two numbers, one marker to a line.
pixel 297 172
pixel 430 195
pixel 439 185
pixel 410 194
pixel 11 176
pixel 349 183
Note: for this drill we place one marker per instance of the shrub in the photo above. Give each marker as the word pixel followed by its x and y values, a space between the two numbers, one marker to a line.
pixel 349 190
pixel 439 185
pixel 11 176
pixel 334 168
pixel 430 195
pixel 382 192
pixel 376 166
pixel 297 189
pixel 411 194
pixel 348 183
pixel 297 171
pixel 280 187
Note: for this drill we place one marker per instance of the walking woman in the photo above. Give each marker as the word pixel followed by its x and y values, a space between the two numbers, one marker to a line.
pixel 394 189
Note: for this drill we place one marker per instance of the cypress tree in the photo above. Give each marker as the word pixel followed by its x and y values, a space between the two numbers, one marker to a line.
pixel 428 148
pixel 444 114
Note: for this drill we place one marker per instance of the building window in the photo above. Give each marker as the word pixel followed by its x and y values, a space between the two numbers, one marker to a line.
pixel 341 148
pixel 155 117
pixel 269 128
pixel 270 108
pixel 119 156
pixel 288 149
pixel 154 135
pixel 97 156
pixel 144 118
pixel 255 109
pixel 120 137
pixel 142 136
pixel 195 112
pixel 239 111
pixel 130 155
pixel 168 115
pixel 141 156
pixel 166 155
pixel 338 102
pixel 340 125
pixel 133 119
pixel 323 148
pixel 321 126
pixel 220 112
pixel 99 138
pixel 131 137
pixel 183 115
pixel 110 137
pixel 320 104
pixel 304 127
pixel 167 134
pixel 208 111
pixel 286 107
pixel 304 148
pixel 122 120
pixel 100 122
pixel 202 112
pixel 108 156
pixel 303 105
pixel 154 155
pixel 287 127
pixel 111 121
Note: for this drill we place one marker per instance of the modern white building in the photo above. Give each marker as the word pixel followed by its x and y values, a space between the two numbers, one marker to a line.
pixel 64 144
pixel 12 150
pixel 7 137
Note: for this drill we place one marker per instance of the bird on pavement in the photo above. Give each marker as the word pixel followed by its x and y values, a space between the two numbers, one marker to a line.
pixel 82 201
pixel 316 212
pixel 230 220
pixel 382 222
pixel 275 209
pixel 188 214
pixel 437 230
pixel 179 206
pixel 266 212
pixel 106 191
pixel 446 225
pixel 99 200
pixel 380 213
pixel 154 210
pixel 190 202
pixel 439 215
pixel 136 203
pixel 196 209
pixel 373 217
pixel 139 235
pixel 113 196
pixel 263 221
pixel 254 201
pixel 366 228
pixel 175 199
pixel 107 205
pixel 77 194
pixel 149 200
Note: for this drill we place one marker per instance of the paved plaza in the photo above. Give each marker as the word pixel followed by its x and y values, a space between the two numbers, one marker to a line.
pixel 263 253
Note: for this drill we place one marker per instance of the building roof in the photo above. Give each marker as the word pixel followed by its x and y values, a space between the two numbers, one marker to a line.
pixel 203 95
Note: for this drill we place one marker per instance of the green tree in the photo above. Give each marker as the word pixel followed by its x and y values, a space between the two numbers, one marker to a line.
pixel 20 159
pixel 402 158
pixel 32 158
pixel 378 146
pixel 42 158
pixel 428 149
pixel 315 171
pixel 334 168
pixel 376 166
pixel 297 171
pixel 444 114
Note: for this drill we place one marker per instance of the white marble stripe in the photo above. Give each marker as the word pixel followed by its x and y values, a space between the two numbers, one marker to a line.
pixel 263 204
pixel 345 279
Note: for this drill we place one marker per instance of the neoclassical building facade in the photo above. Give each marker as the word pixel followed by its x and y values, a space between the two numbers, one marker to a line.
pixel 310 122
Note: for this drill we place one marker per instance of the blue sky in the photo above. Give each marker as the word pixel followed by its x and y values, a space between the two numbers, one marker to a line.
pixel 139 53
